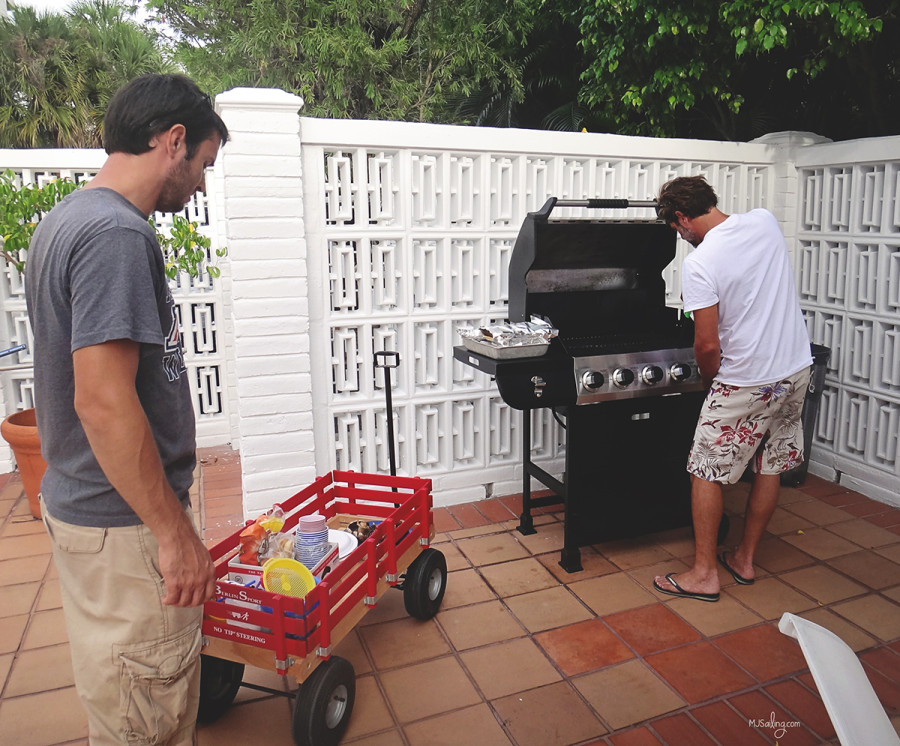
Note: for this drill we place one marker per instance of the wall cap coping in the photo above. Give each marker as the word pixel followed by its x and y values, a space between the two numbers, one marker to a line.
pixel 388 134
pixel 793 138
pixel 263 98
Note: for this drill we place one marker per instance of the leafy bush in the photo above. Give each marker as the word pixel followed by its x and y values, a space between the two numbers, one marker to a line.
pixel 22 206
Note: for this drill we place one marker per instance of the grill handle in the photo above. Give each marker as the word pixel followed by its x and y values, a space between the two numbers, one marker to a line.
pixel 608 204
pixel 616 204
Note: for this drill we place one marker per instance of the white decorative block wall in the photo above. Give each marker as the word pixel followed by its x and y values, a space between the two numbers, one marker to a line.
pixel 410 228
pixel 199 302
pixel 349 237
pixel 848 231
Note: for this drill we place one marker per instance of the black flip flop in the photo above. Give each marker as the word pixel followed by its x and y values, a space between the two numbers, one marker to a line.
pixel 739 579
pixel 682 593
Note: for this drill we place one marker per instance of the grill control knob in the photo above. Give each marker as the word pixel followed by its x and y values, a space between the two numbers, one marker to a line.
pixel 651 374
pixel 592 380
pixel 623 377
pixel 680 371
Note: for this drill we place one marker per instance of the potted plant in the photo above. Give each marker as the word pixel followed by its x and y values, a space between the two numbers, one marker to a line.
pixel 21 207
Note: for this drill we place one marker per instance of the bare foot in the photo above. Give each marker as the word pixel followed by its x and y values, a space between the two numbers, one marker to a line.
pixel 741 570
pixel 690 581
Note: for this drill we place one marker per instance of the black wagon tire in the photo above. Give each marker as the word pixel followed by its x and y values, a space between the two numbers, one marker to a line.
pixel 219 683
pixel 324 704
pixel 425 583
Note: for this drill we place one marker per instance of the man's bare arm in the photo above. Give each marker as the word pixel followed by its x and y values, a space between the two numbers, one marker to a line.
pixel 707 346
pixel 117 429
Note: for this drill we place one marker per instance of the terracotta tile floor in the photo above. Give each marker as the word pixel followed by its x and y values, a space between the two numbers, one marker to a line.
pixel 521 653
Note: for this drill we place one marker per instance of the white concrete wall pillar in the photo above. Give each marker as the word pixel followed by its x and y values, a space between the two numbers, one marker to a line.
pixel 263 214
pixel 786 199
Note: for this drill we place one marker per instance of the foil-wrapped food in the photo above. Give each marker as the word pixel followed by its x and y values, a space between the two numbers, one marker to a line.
pixel 516 339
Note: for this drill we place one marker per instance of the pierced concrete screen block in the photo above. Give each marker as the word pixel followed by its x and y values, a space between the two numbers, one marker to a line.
pixel 382 452
pixel 826 429
pixel 833 287
pixel 872 217
pixel 350 446
pixel 428 273
pixel 388 284
pixel 812 188
pixel 208 391
pixel 892 199
pixel 465 188
pixel 858 353
pixel 430 437
pixel 498 254
pixel 467 432
pixel 431 347
pixel 854 424
pixel 504 192
pixel 339 189
pixel 465 274
pixel 344 275
pixel 863 279
pixel 838 199
pixel 426 189
pixel 886 424
pixel 383 188
pixel 346 359
pixel 890 280
pixel 504 425
pixel 886 357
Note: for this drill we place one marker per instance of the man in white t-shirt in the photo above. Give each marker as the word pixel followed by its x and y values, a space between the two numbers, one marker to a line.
pixel 753 351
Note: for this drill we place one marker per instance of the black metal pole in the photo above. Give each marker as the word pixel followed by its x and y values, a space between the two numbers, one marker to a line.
pixel 390 421
pixel 381 361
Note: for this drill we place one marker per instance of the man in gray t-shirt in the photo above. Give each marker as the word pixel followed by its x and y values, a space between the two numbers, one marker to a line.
pixel 117 428
pixel 96 265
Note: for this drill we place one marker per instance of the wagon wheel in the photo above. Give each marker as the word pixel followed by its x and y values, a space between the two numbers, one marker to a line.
pixel 219 683
pixel 324 704
pixel 425 583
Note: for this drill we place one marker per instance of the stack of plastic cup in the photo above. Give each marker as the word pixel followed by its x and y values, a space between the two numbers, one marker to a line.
pixel 311 541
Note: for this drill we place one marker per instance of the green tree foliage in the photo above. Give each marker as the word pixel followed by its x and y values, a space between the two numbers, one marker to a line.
pixel 58 71
pixel 739 68
pixel 386 59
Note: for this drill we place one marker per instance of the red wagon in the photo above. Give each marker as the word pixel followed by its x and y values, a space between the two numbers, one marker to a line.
pixel 295 636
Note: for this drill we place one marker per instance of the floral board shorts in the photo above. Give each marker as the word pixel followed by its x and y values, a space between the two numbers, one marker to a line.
pixel 739 422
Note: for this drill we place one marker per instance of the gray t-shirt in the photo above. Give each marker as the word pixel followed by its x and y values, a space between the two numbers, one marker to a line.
pixel 95 274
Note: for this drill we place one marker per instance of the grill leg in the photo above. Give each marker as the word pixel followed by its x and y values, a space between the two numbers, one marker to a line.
pixel 570 556
pixel 526 522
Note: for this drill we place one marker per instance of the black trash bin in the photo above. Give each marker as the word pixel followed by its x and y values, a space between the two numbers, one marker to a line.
pixel 821 354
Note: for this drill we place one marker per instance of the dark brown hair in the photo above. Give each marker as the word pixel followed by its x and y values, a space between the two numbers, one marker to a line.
pixel 151 104
pixel 691 195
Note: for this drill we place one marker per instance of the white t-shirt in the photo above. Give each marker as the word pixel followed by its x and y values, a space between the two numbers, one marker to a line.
pixel 743 265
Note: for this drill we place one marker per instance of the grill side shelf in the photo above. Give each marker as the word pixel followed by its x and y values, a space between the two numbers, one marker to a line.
pixel 527 382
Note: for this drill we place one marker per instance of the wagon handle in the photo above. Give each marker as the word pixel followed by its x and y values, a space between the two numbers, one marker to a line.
pixel 388 359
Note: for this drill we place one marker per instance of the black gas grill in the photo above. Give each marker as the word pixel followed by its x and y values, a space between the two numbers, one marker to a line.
pixel 622 351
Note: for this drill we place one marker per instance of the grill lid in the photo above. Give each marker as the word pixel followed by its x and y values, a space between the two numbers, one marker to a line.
pixel 589 276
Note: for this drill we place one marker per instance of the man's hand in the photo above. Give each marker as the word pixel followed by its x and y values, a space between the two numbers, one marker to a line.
pixel 186 567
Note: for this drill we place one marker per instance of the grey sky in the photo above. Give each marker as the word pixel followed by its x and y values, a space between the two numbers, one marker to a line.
pixel 57 6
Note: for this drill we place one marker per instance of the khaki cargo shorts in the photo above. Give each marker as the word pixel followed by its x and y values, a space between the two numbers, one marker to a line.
pixel 136 661
pixel 739 422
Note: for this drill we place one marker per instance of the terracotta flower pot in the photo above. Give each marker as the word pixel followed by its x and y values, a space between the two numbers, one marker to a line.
pixel 20 430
